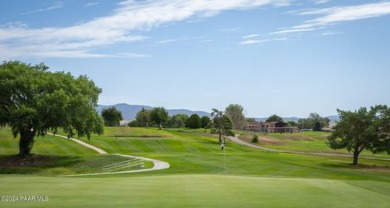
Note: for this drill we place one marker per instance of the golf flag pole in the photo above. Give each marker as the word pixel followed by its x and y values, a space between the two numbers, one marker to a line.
pixel 224 158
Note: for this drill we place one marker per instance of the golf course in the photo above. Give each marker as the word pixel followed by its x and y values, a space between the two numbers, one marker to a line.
pixel 200 173
pixel 195 104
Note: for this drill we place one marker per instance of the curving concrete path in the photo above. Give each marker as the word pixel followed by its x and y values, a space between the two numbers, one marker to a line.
pixel 100 151
pixel 239 141
pixel 157 164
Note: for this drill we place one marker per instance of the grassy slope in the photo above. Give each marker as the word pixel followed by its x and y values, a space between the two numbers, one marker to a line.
pixel 52 156
pixel 194 152
pixel 48 145
pixel 202 175
pixel 308 141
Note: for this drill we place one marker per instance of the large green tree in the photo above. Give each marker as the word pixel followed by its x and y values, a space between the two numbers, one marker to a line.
pixel 159 116
pixel 362 129
pixel 206 122
pixel 111 116
pixel 274 118
pixel 177 121
pixel 142 118
pixel 194 122
pixel 236 114
pixel 222 125
pixel 314 121
pixel 34 100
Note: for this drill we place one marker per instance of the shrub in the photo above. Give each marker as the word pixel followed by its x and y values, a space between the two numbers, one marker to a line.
pixel 255 139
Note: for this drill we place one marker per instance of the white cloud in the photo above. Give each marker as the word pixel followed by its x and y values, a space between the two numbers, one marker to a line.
pixel 250 36
pixel 81 39
pixel 335 15
pixel 132 55
pixel 294 30
pixel 350 13
pixel 168 41
pixel 55 5
pixel 329 33
pixel 320 1
pixel 172 40
pixel 262 41
pixel 251 42
pixel 90 4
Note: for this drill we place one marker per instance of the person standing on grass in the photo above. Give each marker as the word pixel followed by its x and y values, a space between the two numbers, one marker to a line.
pixel 222 145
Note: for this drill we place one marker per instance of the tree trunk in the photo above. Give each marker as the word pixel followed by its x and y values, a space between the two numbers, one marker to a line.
pixel 26 142
pixel 355 157
pixel 219 134
pixel 356 153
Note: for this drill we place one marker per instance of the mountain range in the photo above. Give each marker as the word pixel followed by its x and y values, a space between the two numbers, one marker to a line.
pixel 130 111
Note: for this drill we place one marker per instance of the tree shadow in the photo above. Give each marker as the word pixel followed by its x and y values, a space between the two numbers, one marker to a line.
pixel 361 166
pixel 13 164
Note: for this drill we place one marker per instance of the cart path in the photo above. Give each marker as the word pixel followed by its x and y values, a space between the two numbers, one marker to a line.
pixel 157 164
pixel 239 141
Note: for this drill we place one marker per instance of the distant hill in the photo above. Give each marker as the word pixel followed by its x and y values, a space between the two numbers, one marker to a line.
pixel 334 118
pixel 130 111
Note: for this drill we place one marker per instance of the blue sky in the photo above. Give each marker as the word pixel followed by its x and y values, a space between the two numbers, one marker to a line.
pixel 284 57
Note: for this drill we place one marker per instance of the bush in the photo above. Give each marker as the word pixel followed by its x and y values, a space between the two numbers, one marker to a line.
pixel 255 139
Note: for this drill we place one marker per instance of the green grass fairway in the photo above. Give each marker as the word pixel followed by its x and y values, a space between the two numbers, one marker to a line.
pixel 195 191
pixel 201 175
pixel 196 152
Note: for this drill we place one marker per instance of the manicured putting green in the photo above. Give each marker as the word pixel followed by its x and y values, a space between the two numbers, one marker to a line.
pixel 195 191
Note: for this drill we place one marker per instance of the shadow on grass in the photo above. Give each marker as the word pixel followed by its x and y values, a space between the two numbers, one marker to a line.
pixel 374 167
pixel 13 164
pixel 53 165
pixel 138 136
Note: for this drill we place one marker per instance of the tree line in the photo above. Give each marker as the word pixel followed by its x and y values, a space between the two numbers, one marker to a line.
pixel 159 117
pixel 34 101
pixel 220 123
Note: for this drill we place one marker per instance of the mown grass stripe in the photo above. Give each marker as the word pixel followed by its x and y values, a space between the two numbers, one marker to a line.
pixel 196 191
